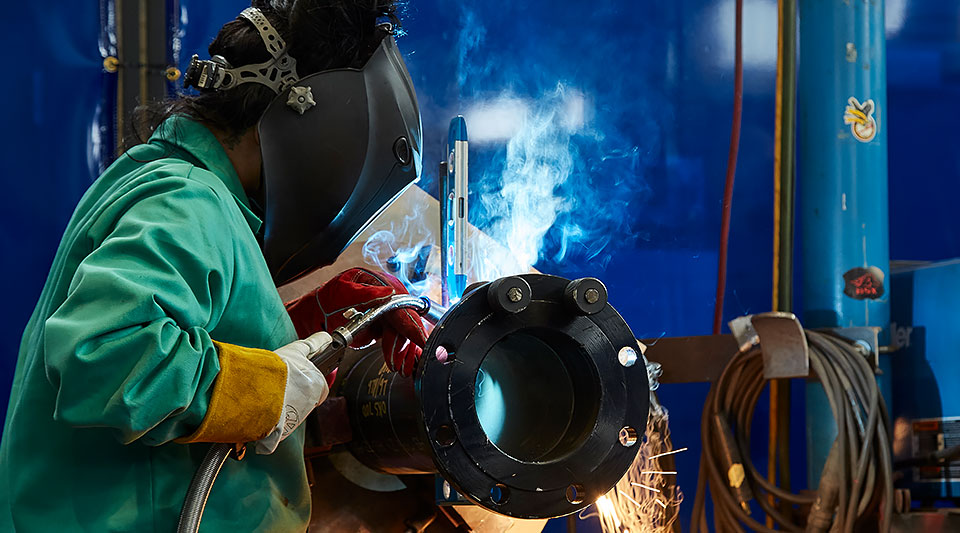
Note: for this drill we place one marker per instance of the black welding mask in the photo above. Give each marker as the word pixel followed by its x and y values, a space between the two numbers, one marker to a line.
pixel 338 147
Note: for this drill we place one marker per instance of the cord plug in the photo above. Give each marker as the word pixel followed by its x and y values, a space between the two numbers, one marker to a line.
pixel 821 514
pixel 733 463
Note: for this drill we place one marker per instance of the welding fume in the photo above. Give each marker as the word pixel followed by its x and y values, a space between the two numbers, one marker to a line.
pixel 164 384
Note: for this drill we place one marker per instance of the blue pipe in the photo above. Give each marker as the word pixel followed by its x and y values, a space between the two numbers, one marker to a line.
pixel 843 206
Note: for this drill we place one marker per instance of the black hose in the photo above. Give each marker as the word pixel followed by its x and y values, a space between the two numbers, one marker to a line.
pixel 200 486
pixel 857 481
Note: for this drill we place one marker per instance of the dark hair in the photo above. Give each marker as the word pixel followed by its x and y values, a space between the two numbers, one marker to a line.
pixel 320 35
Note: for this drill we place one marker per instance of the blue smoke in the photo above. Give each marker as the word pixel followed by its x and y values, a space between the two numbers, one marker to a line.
pixel 558 173
pixel 554 177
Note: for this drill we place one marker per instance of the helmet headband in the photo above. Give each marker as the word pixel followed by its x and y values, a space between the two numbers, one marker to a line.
pixel 217 74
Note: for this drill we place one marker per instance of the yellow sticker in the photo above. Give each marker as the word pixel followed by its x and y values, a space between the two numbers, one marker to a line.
pixel 736 475
pixel 860 118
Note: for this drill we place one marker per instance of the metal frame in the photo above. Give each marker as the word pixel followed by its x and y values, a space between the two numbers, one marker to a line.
pixel 702 358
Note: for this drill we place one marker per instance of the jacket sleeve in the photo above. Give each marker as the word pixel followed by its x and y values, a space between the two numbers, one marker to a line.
pixel 129 348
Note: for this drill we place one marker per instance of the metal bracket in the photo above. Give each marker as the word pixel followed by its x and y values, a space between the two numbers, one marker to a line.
pixel 743 332
pixel 690 359
pixel 781 337
pixel 864 338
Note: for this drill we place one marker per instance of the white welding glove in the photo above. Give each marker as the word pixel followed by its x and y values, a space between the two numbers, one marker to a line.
pixel 306 388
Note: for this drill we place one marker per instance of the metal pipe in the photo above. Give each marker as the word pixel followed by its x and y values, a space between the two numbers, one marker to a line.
pixel 843 188
pixel 784 219
pixel 434 313
pixel 519 401
pixel 384 413
pixel 361 321
pixel 785 169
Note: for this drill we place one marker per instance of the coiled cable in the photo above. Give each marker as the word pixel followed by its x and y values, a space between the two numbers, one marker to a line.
pixel 856 485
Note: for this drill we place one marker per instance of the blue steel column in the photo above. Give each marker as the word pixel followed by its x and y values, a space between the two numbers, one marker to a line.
pixel 843 178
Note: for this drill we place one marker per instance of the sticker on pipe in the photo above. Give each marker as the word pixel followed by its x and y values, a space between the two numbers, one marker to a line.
pixel 860 118
pixel 863 283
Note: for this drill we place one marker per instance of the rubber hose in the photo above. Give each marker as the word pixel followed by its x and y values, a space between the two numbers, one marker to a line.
pixel 726 206
pixel 200 486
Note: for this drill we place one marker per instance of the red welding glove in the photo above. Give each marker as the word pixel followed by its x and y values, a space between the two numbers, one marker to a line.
pixel 400 332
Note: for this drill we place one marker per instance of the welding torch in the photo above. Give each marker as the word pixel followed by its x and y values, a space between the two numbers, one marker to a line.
pixel 326 360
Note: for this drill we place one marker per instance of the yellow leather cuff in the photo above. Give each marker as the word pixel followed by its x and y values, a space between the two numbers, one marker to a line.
pixel 247 397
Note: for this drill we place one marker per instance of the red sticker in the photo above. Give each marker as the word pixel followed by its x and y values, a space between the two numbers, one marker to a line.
pixel 863 283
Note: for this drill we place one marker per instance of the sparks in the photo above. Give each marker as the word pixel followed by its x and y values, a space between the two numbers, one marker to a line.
pixel 620 492
pixel 606 508
pixel 667 453
pixel 644 486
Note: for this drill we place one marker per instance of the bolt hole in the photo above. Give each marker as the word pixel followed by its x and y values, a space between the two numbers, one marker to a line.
pixel 445 435
pixel 499 494
pixel 628 436
pixel 575 493
pixel 444 354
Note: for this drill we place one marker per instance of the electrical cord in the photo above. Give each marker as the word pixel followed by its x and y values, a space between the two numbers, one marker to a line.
pixel 856 485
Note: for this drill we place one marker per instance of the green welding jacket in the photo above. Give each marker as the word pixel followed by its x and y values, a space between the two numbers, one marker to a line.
pixel 150 340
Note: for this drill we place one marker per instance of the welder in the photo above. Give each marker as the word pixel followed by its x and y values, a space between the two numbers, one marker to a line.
pixel 160 327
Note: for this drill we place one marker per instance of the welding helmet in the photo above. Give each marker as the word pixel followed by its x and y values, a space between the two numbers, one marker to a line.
pixel 337 146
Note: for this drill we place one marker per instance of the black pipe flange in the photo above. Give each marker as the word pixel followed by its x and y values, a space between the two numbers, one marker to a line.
pixel 526 407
